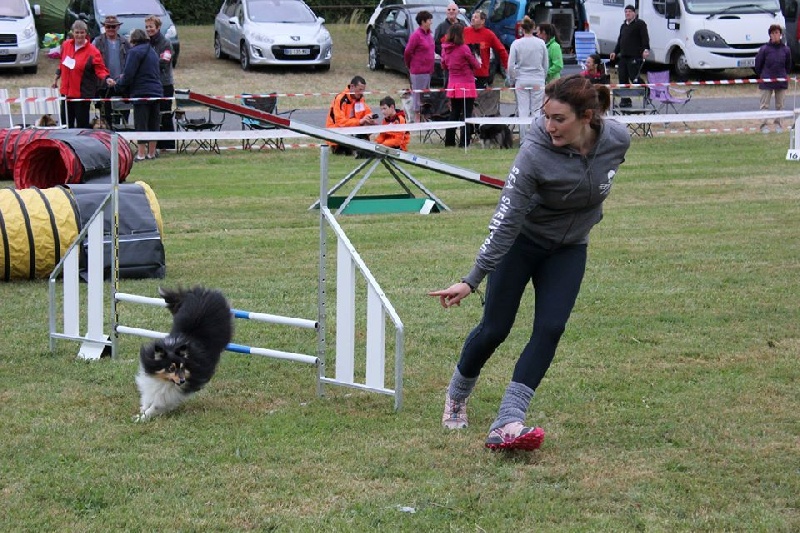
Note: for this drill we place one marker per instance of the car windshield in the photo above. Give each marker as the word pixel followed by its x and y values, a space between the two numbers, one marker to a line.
pixel 279 11
pixel 721 7
pixel 16 9
pixel 126 7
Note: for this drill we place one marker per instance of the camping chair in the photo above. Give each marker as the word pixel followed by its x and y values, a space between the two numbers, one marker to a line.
pixel 186 124
pixel 640 104
pixel 661 94
pixel 267 104
pixel 585 45
pixel 434 106
pixel 38 101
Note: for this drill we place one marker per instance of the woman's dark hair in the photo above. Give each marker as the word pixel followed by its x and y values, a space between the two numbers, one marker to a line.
pixel 579 93
pixel 550 30
pixel 527 24
pixel 455 34
pixel 422 16
pixel 138 36
pixel 598 62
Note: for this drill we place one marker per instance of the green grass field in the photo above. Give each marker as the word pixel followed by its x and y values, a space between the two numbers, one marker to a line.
pixel 672 404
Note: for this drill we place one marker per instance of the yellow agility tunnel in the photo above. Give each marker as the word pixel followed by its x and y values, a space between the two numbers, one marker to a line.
pixel 37 226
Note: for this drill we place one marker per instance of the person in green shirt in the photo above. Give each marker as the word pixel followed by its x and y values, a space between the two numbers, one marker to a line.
pixel 547 33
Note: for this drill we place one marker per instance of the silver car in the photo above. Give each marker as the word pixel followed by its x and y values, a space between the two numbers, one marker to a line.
pixel 272 32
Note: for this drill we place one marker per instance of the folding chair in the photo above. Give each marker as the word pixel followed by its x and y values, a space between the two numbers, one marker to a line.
pixel 5 107
pixel 199 124
pixel 662 96
pixel 640 104
pixel 585 45
pixel 434 106
pixel 38 101
pixel 267 104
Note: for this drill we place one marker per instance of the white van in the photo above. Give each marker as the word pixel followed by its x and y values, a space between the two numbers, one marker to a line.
pixel 19 42
pixel 691 34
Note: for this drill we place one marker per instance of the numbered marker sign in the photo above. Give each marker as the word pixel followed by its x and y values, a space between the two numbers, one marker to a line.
pixel 793 155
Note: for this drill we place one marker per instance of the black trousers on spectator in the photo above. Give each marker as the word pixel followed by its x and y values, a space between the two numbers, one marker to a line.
pixel 167 118
pixel 75 114
pixel 460 109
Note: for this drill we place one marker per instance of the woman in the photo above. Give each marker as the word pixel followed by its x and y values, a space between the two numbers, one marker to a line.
pixel 419 58
pixel 163 49
pixel 595 71
pixel 141 79
pixel 539 233
pixel 547 33
pixel 774 60
pixel 80 70
pixel 527 68
pixel 461 65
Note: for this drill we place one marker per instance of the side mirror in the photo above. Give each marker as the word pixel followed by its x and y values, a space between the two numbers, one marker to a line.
pixel 37 10
pixel 672 9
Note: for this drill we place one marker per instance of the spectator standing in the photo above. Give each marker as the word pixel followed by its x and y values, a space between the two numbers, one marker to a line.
pixel 633 47
pixel 164 51
pixel 774 60
pixel 555 59
pixel 451 18
pixel 539 233
pixel 527 69
pixel 461 65
pixel 80 71
pixel 114 49
pixel 392 139
pixel 485 40
pixel 141 79
pixel 349 109
pixel 419 58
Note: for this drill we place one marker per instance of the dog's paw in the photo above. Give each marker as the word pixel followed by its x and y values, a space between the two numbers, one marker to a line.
pixel 141 417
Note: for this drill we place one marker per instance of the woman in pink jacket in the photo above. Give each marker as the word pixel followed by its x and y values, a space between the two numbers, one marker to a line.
pixel 419 57
pixel 461 65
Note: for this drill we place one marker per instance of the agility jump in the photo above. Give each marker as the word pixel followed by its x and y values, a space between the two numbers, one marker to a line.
pixel 96 341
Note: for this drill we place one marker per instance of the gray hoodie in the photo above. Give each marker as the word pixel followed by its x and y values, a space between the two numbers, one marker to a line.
pixel 553 195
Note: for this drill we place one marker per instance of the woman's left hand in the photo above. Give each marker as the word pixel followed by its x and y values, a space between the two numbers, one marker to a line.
pixel 453 294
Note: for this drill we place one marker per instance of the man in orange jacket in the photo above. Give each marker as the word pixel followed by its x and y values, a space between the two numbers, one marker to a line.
pixel 349 109
pixel 393 139
pixel 477 35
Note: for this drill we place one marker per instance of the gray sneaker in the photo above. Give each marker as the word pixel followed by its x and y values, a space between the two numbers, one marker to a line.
pixel 778 128
pixel 515 436
pixel 764 129
pixel 455 413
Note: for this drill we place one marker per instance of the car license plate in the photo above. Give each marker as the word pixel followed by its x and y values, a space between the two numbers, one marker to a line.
pixel 746 62
pixel 297 51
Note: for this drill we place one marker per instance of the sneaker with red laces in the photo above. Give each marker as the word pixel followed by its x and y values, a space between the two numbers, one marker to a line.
pixel 515 436
pixel 455 413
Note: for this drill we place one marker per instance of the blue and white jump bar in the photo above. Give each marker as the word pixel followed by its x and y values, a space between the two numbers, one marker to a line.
pixel 231 347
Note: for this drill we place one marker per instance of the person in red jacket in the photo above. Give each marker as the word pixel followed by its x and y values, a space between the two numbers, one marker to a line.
pixel 393 139
pixel 349 109
pixel 80 70
pixel 477 35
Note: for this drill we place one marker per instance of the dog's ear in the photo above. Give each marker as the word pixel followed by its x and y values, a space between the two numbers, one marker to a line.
pixel 182 351
pixel 153 352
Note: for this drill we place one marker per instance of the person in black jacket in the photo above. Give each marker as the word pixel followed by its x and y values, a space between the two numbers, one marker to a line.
pixel 633 47
pixel 141 79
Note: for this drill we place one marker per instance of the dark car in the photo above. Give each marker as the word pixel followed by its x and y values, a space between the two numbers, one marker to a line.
pixel 393 27
pixel 130 13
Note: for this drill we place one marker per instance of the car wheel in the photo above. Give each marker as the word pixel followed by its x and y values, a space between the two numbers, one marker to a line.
pixel 681 66
pixel 31 70
pixel 324 68
pixel 218 53
pixel 369 35
pixel 244 57
pixel 374 57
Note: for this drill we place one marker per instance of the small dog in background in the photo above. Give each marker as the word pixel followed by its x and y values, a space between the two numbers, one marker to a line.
pixel 173 368
pixel 497 135
pixel 46 121
pixel 407 104
pixel 99 123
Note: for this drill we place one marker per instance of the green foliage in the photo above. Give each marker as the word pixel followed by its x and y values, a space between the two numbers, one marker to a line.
pixel 671 405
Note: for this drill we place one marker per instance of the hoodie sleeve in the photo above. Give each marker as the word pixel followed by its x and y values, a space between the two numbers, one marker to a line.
pixel 506 223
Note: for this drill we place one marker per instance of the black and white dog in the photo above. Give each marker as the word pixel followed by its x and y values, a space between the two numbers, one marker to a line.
pixel 175 367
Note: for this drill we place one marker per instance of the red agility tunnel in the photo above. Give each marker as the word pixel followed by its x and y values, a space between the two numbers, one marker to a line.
pixel 48 157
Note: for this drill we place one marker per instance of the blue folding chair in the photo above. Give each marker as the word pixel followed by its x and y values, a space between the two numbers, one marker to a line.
pixel 585 45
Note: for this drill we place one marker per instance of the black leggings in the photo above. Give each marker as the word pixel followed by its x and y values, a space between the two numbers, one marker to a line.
pixel 460 108
pixel 556 275
pixel 75 114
